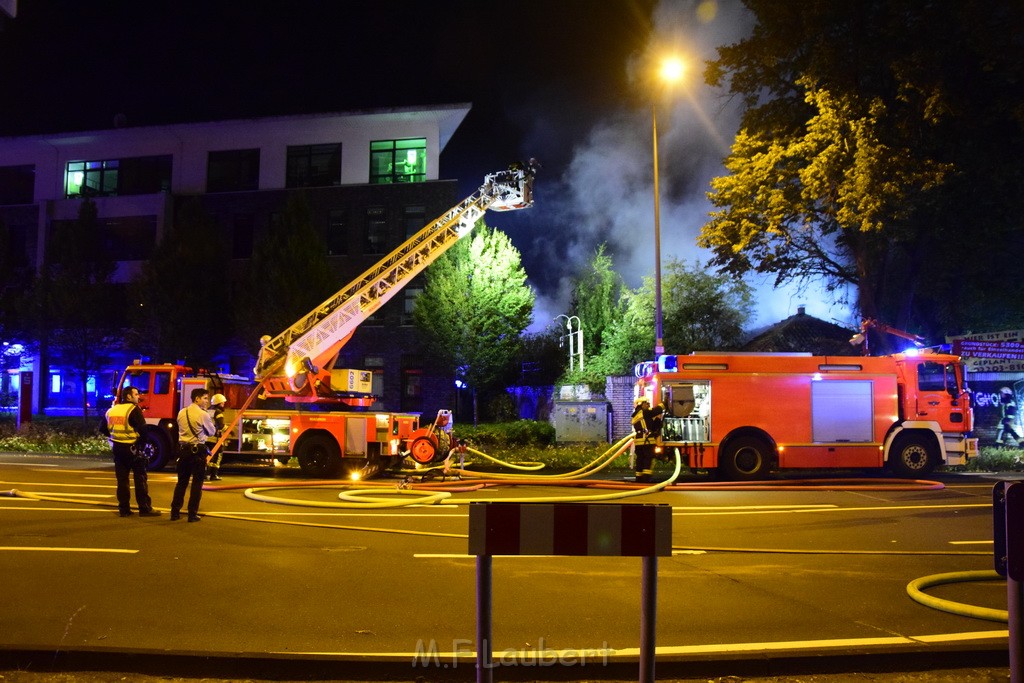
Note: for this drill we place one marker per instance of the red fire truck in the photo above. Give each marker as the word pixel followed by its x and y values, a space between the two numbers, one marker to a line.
pixel 297 367
pixel 745 414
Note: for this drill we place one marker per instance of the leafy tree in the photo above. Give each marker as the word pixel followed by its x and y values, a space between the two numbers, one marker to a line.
pixel 596 300
pixel 474 307
pixel 875 135
pixel 77 311
pixel 702 312
pixel 288 277
pixel 182 313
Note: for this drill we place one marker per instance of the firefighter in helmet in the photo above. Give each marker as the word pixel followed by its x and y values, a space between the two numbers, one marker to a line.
pixel 217 405
pixel 646 423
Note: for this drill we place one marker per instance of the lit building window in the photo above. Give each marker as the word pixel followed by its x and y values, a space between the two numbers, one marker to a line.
pixel 111 177
pixel 91 178
pixel 398 161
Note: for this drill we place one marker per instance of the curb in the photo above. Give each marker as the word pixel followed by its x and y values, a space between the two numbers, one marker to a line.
pixel 380 668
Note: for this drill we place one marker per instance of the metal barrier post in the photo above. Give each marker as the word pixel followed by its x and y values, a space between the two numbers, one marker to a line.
pixel 574 529
pixel 484 663
pixel 1008 545
pixel 648 617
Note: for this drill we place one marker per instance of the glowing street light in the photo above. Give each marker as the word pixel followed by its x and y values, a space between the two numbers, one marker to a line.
pixel 672 69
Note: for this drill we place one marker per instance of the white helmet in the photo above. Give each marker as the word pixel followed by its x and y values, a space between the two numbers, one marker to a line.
pixel 218 399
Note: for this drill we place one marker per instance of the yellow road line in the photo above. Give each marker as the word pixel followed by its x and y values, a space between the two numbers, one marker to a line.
pixel 971 542
pixel 875 508
pixel 466 653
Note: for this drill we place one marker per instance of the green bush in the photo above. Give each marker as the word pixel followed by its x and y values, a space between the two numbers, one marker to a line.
pixel 517 433
pixel 53 435
pixel 996 459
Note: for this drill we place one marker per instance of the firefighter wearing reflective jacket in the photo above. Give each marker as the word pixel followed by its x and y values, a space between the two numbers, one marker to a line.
pixel 217 405
pixel 646 431
pixel 124 424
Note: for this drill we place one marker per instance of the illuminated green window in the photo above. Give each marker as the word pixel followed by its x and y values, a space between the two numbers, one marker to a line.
pixel 398 161
pixel 91 178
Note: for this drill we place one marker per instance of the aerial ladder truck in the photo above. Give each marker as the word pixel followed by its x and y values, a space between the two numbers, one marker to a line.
pixel 298 366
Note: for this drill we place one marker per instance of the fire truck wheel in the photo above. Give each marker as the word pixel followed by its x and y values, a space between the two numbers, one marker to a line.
pixel 423 450
pixel 157 450
pixel 745 459
pixel 911 456
pixel 319 456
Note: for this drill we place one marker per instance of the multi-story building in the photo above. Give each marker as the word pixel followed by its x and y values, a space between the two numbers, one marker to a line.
pixel 371 179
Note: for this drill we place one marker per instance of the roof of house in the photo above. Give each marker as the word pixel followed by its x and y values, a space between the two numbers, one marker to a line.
pixel 802 332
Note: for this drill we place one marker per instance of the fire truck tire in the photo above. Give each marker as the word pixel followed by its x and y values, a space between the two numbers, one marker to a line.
pixel 423 450
pixel 746 458
pixel 319 456
pixel 912 456
pixel 157 449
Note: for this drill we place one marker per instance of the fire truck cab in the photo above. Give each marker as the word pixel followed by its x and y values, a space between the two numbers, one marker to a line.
pixel 746 414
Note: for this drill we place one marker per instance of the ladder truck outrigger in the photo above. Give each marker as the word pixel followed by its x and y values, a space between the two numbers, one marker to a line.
pixel 298 366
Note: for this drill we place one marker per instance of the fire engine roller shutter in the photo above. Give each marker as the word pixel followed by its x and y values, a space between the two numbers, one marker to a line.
pixel 841 410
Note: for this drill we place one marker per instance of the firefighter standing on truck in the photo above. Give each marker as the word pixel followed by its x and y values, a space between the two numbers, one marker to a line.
pixel 646 423
pixel 194 428
pixel 217 405
pixel 124 424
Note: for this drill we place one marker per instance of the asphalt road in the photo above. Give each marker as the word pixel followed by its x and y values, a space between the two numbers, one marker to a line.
pixel 757 578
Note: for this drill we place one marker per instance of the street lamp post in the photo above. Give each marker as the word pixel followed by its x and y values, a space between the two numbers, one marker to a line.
pixel 671 71
pixel 659 338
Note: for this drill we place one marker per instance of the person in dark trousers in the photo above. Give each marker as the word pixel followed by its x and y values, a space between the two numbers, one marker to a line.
pixel 217 405
pixel 646 423
pixel 194 428
pixel 125 425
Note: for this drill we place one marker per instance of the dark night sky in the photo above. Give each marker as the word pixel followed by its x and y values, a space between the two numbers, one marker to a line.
pixel 552 79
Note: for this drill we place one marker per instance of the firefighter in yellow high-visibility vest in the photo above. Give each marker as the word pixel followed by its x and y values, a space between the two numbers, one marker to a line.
pixel 125 425
pixel 646 423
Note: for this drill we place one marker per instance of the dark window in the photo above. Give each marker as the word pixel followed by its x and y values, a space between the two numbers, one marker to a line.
pixel 337 232
pixel 414 218
pixel 314 166
pixel 931 376
pixel 410 294
pixel 242 231
pixel 145 175
pixel 398 161
pixel 17 184
pixel 236 170
pixel 376 230
pixel 127 238
pixel 130 238
pixel 162 385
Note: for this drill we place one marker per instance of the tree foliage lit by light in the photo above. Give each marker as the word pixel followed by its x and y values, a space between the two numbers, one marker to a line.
pixel 888 160
pixel 474 307
pixel 703 312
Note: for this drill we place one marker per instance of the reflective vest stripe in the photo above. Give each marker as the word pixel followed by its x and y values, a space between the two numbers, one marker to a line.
pixel 117 422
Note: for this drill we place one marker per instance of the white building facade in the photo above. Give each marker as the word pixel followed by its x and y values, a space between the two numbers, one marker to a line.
pixel 372 178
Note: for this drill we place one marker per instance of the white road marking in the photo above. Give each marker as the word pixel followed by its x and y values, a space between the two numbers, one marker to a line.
pixel 53 549
pixel 46 483
pixel 971 542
